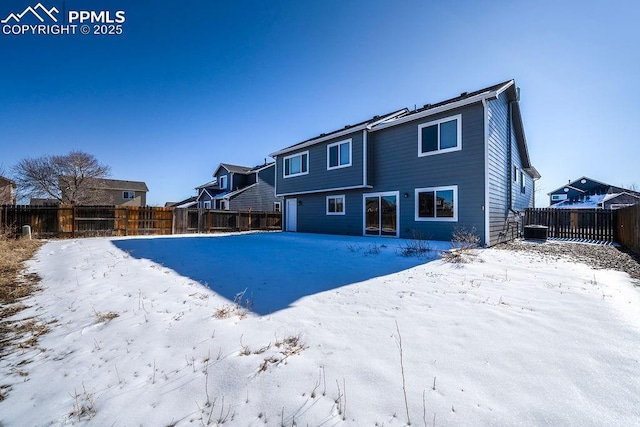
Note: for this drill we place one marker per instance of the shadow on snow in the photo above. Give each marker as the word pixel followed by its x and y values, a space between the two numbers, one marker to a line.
pixel 276 269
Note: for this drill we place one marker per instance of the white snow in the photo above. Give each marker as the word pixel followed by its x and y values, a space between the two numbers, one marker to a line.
pixel 507 339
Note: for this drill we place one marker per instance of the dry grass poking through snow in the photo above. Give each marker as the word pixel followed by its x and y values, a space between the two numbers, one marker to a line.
pixel 15 332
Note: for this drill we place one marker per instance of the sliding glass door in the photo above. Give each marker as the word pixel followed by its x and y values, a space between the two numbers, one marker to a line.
pixel 381 214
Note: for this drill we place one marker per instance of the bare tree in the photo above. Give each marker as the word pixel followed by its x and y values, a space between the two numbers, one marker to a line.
pixel 73 178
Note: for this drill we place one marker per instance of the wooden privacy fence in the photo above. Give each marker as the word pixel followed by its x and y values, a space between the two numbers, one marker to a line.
pixel 87 221
pixel 587 224
pixel 211 221
pixel 627 227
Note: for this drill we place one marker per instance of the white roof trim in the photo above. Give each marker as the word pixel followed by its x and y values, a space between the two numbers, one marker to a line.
pixel 446 107
pixel 235 193
pixel 324 190
pixel 335 135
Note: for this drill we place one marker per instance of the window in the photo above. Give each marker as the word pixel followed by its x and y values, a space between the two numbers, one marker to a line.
pixel 440 136
pixel 335 205
pixel 223 182
pixel 207 204
pixel 515 174
pixel 555 197
pixel 128 195
pixel 437 204
pixel 223 205
pixel 277 207
pixel 339 155
pixel 523 183
pixel 298 164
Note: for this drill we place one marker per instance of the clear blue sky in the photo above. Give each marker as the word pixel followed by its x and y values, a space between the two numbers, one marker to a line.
pixel 191 84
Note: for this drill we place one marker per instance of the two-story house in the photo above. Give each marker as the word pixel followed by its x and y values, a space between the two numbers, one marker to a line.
pixel 459 163
pixel 240 188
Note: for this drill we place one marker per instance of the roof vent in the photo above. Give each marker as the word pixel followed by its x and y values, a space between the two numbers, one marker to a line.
pixel 376 117
pixel 426 106
pixel 463 94
pixel 347 126
pixel 322 134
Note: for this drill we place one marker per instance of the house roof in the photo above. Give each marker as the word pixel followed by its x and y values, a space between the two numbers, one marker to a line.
pixel 610 188
pixel 208 184
pixel 244 170
pixel 405 115
pixel 339 132
pixel 6 181
pixel 117 184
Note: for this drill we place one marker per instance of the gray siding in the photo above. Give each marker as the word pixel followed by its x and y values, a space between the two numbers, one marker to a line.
pixel 259 197
pixel 504 213
pixel 395 166
pixel 312 217
pixel 319 178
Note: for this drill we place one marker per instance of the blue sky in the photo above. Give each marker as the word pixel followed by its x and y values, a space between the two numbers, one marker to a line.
pixel 190 84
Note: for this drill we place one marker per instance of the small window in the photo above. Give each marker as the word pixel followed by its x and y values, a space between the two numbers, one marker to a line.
pixel 223 182
pixel 339 155
pixel 223 205
pixel 128 195
pixel 298 164
pixel 515 174
pixel 556 197
pixel 523 183
pixel 436 204
pixel 207 204
pixel 440 136
pixel 277 207
pixel 335 205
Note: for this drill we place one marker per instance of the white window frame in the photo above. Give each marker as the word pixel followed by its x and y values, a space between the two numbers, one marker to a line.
pixel 284 162
pixel 458 147
pixel 558 197
pixel 523 182
pixel 128 192
pixel 206 204
pixel 435 191
pixel 223 182
pixel 339 143
pixel 344 205
pixel 277 206
pixel 224 204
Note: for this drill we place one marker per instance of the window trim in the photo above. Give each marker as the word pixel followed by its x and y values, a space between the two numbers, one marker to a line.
pixel 344 204
pixel 128 191
pixel 284 161
pixel 277 206
pixel 458 146
pixel 225 179
pixel 206 204
pixel 435 190
pixel 523 182
pixel 338 144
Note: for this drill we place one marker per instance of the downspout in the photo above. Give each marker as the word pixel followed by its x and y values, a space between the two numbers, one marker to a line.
pixel 486 208
pixel 365 155
pixel 509 160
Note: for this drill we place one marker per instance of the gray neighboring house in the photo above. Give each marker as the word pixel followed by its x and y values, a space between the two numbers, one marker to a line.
pixel 587 193
pixel 240 188
pixel 459 163
pixel 103 191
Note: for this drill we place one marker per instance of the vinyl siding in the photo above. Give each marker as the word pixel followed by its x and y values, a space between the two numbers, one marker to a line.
pixel 504 220
pixel 259 197
pixel 395 166
pixel 319 178
pixel 312 217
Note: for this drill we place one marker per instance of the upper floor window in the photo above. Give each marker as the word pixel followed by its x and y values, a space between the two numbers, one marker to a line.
pixel 277 207
pixel 223 181
pixel 339 154
pixel 523 183
pixel 440 136
pixel 128 195
pixel 297 164
pixel 437 204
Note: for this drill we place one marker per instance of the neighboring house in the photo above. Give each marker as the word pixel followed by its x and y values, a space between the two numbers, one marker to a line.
pixel 461 163
pixel 7 191
pixel 186 203
pixel 587 193
pixel 101 191
pixel 240 188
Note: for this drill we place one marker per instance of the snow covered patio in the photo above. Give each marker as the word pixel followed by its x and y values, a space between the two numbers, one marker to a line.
pixel 146 333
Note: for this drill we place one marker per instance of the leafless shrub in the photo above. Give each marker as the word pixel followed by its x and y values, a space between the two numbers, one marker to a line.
pixel 418 245
pixel 239 307
pixel 83 405
pixel 465 239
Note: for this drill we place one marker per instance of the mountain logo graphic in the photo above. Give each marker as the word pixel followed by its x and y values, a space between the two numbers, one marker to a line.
pixel 38 11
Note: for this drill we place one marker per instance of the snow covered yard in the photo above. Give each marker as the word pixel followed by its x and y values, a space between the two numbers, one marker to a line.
pixel 147 333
